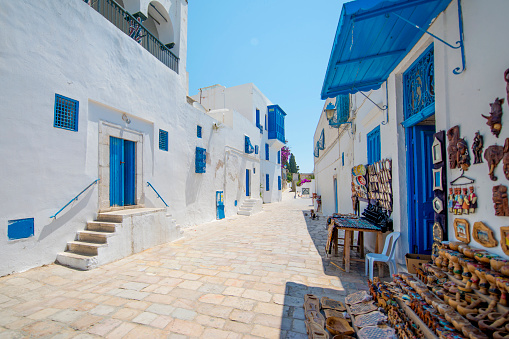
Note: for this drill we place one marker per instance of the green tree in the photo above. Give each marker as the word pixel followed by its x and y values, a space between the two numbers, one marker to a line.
pixel 293 168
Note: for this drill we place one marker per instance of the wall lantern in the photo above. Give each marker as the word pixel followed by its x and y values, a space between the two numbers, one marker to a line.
pixel 330 110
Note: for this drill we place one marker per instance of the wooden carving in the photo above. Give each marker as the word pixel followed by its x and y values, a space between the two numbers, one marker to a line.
pixel 493 155
pixel 462 230
pixel 500 201
pixel 504 239
pixel 463 156
pixel 453 135
pixel 495 118
pixel 506 78
pixel 483 235
pixel 477 147
pixel 506 158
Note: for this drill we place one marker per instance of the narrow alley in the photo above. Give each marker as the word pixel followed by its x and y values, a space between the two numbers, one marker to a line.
pixel 242 277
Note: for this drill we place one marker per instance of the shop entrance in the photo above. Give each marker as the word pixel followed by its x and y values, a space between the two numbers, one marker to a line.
pixel 122 172
pixel 420 187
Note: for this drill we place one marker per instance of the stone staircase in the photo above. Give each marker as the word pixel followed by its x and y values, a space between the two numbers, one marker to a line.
pixel 250 207
pixel 115 235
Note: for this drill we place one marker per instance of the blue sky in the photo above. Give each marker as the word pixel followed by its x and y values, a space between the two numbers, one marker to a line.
pixel 281 46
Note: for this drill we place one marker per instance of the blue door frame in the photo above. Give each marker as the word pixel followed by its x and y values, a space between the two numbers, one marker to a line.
pixel 122 172
pixel 248 191
pixel 219 205
pixel 419 139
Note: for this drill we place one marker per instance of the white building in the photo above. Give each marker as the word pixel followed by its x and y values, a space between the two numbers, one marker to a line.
pixel 249 101
pixel 418 87
pixel 92 99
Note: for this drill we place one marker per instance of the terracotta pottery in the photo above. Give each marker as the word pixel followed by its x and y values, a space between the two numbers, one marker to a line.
pixel 497 263
pixel 338 326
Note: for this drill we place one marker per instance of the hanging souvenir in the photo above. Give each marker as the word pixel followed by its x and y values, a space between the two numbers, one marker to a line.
pixel 483 235
pixel 453 135
pixel 472 198
pixel 458 201
pixel 495 118
pixel 450 201
pixel 466 203
pixel 477 147
pixel 500 200
pixel 493 154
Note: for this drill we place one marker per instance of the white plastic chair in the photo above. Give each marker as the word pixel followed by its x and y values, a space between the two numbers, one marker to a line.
pixel 391 239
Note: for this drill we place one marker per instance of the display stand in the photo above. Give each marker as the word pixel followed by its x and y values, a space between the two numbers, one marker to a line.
pixel 428 333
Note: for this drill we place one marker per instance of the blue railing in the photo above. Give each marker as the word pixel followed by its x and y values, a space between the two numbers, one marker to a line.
pixel 133 28
pixel 158 195
pixel 74 199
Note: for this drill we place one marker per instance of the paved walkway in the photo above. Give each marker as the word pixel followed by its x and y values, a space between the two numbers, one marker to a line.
pixel 244 277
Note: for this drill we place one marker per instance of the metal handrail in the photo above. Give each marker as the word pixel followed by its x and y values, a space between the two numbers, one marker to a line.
pixel 74 199
pixel 122 19
pixel 158 195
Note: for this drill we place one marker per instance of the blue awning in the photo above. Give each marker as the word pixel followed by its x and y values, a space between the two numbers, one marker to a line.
pixel 371 41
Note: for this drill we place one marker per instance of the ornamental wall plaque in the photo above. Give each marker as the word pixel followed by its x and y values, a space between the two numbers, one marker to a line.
pixel 462 230
pixel 437 179
pixel 438 205
pixel 438 233
pixel 483 235
pixel 504 239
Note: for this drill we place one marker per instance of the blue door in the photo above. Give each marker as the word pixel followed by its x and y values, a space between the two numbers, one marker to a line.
pixel 335 195
pixel 248 192
pixel 420 188
pixel 219 205
pixel 122 172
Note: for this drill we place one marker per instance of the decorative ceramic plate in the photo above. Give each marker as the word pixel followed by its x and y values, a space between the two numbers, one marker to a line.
pixel 356 297
pixel 361 180
pixel 375 332
pixel 362 170
pixel 369 319
pixel 361 308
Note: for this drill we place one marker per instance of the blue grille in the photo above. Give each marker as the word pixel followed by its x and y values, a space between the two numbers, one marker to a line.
pixel 419 84
pixel 267 152
pixel 198 131
pixel 342 113
pixel 66 113
pixel 248 148
pixel 267 187
pixel 201 158
pixel 20 228
pixel 163 140
pixel 279 182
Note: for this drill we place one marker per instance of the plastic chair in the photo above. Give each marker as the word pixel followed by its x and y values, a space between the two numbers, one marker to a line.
pixel 391 239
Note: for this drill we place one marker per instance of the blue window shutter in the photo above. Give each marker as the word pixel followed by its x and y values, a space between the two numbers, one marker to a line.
pixel 258 118
pixel 267 182
pixel 201 160
pixel 20 228
pixel 374 145
pixel 343 159
pixel 279 157
pixel 198 131
pixel 66 113
pixel 266 151
pixel 248 148
pixel 163 140
pixel 279 182
pixel 256 149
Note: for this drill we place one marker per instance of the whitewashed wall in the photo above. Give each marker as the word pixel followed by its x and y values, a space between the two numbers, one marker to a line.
pixel 68 48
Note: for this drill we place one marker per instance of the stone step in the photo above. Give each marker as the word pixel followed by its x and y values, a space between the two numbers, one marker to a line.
pixel 94 236
pixel 110 217
pixel 82 247
pixel 79 261
pixel 244 208
pixel 102 226
pixel 241 212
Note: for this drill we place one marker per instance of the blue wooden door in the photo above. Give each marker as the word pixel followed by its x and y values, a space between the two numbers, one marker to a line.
pixel 122 172
pixel 420 188
pixel 248 193
pixel 219 205
pixel 335 195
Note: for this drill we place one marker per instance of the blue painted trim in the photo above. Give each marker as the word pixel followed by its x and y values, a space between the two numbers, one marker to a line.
pixel 163 140
pixel 158 195
pixel 279 157
pixel 374 145
pixel 267 154
pixel 418 117
pixel 279 182
pixel 201 160
pixel 73 199
pixel 267 182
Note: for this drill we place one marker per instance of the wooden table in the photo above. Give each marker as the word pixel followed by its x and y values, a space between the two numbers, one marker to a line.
pixel 350 225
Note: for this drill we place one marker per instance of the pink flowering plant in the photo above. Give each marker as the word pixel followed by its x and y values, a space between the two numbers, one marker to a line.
pixel 285 155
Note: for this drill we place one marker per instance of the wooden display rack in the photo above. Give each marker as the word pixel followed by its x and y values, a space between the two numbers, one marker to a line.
pixel 428 333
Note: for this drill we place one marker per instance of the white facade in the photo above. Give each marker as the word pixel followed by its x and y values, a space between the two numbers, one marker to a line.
pixel 68 48
pixel 459 100
pixel 247 99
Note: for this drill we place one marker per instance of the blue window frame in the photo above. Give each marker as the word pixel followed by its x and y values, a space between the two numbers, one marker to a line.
pixel 20 228
pixel 163 140
pixel 374 145
pixel 248 148
pixel 276 123
pixel 267 152
pixel 279 157
pixel 258 124
pixel 279 182
pixel 267 186
pixel 256 149
pixel 66 113
pixel 198 131
pixel 343 159
pixel 201 158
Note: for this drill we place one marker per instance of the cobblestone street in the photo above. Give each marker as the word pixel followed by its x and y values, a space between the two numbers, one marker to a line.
pixel 244 277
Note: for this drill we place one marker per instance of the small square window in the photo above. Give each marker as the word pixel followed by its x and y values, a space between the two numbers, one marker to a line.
pixel 163 140
pixel 66 113
pixel 198 131
pixel 20 228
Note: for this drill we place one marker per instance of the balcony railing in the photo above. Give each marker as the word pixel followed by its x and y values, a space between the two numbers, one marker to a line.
pixel 133 28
